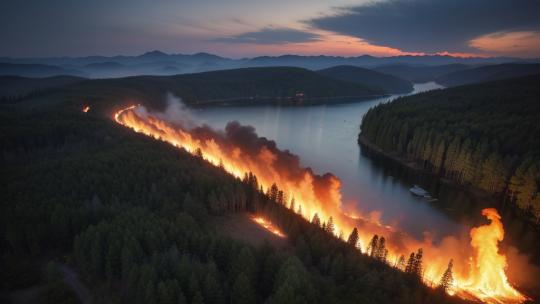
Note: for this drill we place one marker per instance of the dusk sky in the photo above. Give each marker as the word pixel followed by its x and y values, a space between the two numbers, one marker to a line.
pixel 241 28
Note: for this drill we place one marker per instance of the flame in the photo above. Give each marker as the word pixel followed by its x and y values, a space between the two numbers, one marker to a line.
pixel 268 226
pixel 487 279
pixel 315 194
pixel 484 278
pixel 86 109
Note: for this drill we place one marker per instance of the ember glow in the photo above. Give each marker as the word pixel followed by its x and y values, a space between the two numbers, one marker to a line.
pixel 268 226
pixel 479 269
pixel 86 109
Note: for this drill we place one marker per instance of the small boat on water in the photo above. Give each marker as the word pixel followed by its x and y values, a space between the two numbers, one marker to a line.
pixel 419 191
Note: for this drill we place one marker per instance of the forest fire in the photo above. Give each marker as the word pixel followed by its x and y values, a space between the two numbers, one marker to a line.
pixel 479 270
pixel 268 226
pixel 488 279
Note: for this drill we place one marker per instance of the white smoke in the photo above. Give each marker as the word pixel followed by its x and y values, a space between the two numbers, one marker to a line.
pixel 176 112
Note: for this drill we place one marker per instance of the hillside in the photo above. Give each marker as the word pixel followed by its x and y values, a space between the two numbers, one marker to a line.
pixel 15 87
pixel 275 82
pixel 419 73
pixel 250 85
pixel 35 70
pixel 484 135
pixel 488 73
pixel 117 208
pixel 390 84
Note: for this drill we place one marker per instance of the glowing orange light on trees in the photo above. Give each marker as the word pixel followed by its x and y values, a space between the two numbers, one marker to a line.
pixel 479 273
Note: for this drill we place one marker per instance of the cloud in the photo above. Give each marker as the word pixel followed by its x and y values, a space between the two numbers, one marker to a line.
pixel 428 25
pixel 270 35
pixel 521 43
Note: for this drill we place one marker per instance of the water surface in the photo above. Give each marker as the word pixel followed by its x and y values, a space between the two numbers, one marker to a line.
pixel 325 138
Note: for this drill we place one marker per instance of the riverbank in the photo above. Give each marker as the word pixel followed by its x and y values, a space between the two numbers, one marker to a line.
pixel 415 166
pixel 284 101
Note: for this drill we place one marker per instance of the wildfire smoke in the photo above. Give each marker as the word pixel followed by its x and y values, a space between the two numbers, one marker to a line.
pixel 239 150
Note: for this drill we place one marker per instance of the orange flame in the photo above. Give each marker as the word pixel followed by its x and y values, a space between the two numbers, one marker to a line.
pixel 268 226
pixel 304 187
pixel 487 279
pixel 321 195
pixel 86 109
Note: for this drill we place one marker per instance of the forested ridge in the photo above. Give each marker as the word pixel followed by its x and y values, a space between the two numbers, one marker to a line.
pixel 388 83
pixel 132 217
pixel 253 85
pixel 485 135
pixel 488 73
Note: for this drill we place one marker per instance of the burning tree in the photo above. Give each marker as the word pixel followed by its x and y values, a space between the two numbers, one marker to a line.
pixel 353 238
pixel 448 278
pixel 316 220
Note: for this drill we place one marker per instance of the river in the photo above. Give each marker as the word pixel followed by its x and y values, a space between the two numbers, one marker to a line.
pixel 325 138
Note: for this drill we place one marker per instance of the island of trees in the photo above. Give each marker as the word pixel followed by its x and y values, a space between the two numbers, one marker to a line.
pixel 483 135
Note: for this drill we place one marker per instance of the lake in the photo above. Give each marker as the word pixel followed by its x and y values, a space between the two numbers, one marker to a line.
pixel 325 138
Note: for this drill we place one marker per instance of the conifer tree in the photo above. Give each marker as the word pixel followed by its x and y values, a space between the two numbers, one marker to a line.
pixel 353 238
pixel 373 245
pixel 381 251
pixel 330 228
pixel 316 220
pixel 410 263
pixel 418 268
pixel 448 278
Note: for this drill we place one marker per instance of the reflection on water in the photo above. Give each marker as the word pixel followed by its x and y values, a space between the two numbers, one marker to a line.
pixel 325 138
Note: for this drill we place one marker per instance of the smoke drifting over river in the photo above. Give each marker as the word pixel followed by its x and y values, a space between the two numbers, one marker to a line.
pixel 239 150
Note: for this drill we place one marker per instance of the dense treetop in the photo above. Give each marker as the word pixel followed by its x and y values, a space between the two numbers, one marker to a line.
pixel 488 73
pixel 485 135
pixel 133 217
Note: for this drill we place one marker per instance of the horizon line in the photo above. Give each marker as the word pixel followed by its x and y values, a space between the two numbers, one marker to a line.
pixel 448 55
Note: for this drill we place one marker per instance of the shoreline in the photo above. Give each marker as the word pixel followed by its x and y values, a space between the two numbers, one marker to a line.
pixel 415 167
pixel 233 102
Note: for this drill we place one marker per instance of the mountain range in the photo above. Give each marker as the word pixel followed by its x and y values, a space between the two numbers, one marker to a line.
pixel 160 63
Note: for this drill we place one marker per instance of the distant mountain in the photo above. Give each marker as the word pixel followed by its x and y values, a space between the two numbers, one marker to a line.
pixel 419 74
pixel 488 73
pixel 322 62
pixel 35 70
pixel 160 63
pixel 14 87
pixel 104 65
pixel 388 83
